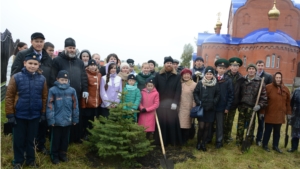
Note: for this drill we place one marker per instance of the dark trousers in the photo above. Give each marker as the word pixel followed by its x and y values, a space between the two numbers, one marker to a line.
pixel 185 135
pixel 59 141
pixel 24 133
pixel 104 112
pixel 219 120
pixel 86 124
pixel 260 128
pixel 295 143
pixel 41 136
pixel 276 134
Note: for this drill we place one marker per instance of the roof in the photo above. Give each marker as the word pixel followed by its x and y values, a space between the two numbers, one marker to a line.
pixel 236 4
pixel 218 38
pixel 202 36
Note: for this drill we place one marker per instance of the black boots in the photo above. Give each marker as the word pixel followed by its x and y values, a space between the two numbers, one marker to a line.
pixel 201 146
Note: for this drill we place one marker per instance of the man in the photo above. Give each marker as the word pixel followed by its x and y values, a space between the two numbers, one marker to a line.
pixel 37 45
pixel 248 95
pixel 152 67
pixel 168 85
pixel 49 48
pixel 199 69
pixel 131 67
pixel 97 57
pixel 268 80
pixel 68 61
pixel 175 65
pixel 236 79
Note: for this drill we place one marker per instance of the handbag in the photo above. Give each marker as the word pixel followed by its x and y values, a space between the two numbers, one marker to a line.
pixel 196 111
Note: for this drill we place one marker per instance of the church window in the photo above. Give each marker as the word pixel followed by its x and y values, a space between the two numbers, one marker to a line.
pixel 278 62
pixel 245 61
pixel 206 58
pixel 268 61
pixel 273 60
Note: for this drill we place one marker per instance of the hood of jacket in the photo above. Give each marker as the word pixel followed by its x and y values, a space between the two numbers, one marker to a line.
pixel 87 51
pixel 164 71
pixel 62 86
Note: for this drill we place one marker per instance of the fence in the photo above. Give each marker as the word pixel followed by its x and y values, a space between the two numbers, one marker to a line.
pixel 3 92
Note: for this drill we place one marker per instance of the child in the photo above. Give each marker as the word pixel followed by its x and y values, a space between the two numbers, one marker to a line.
pixel 132 94
pixel 148 106
pixel 143 76
pixel 90 104
pixel 124 72
pixel 110 88
pixel 62 112
pixel 25 107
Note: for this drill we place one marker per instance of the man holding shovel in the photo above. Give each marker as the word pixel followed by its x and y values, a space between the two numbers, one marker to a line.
pixel 248 94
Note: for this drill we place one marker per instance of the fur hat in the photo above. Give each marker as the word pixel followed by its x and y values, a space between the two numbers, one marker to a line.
pixel 168 59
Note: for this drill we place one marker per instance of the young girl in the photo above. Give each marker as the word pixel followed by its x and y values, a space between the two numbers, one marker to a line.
pixel 90 104
pixel 124 73
pixel 111 86
pixel 207 94
pixel 143 75
pixel 148 106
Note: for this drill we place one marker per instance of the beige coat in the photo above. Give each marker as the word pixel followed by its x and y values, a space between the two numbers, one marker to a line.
pixel 186 104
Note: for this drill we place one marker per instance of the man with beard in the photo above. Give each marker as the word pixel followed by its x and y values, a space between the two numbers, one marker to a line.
pixel 168 85
pixel 68 61
pixel 199 68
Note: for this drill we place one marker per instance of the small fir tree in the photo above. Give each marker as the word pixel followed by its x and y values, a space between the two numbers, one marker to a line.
pixel 118 136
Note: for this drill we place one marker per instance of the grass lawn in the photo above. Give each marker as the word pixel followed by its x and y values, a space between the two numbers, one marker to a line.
pixel 228 157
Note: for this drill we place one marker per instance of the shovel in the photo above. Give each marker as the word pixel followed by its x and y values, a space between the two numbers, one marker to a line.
pixel 165 163
pixel 246 143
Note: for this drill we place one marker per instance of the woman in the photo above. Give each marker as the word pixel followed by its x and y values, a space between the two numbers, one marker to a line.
pixel 206 94
pixel 21 46
pixel 110 58
pixel 295 120
pixel 186 103
pixel 143 76
pixel 276 111
pixel 111 86
pixel 85 56
pixel 124 67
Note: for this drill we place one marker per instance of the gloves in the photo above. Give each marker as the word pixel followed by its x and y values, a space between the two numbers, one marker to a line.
pixel 261 116
pixel 43 117
pixel 256 108
pixel 197 73
pixel 85 94
pixel 289 117
pixel 12 120
pixel 173 106
pixel 143 110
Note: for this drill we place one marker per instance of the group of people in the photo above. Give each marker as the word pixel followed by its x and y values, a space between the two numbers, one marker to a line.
pixel 62 94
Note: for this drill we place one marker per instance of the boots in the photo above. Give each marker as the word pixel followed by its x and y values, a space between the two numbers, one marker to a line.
pixel 203 147
pixel 198 146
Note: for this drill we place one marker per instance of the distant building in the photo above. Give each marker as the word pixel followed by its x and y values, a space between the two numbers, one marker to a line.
pixel 258 30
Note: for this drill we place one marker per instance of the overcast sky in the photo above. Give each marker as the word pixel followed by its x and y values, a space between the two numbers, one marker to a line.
pixel 136 29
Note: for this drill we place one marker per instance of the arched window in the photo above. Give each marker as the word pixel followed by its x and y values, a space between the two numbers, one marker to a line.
pixel 268 61
pixel 273 61
pixel 245 61
pixel 278 62
pixel 206 58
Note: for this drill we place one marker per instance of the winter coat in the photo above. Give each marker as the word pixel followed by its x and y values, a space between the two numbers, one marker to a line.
pixel 132 97
pixel 8 69
pixel 295 105
pixel 236 80
pixel 153 73
pixel 168 86
pixel 77 75
pixel 62 105
pixel 226 94
pixel 268 78
pixel 141 79
pixel 46 64
pixel 278 105
pixel 149 101
pixel 249 92
pixel 113 91
pixel 26 95
pixel 186 103
pixel 94 99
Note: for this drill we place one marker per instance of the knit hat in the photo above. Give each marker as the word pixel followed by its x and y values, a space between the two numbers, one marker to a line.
pixel 199 58
pixel 130 62
pixel 151 61
pixel 92 62
pixel 63 74
pixel 37 35
pixel 149 80
pixel 32 56
pixel 131 76
pixel 251 65
pixel 209 69
pixel 124 64
pixel 168 59
pixel 186 70
pixel 175 61
pixel 70 42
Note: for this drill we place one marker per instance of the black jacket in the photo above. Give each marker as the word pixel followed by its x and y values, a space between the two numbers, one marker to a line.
pixel 295 104
pixel 208 96
pixel 237 80
pixel 226 94
pixel 268 77
pixel 168 86
pixel 76 70
pixel 46 64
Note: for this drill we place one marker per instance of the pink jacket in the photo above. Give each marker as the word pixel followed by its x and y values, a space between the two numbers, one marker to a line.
pixel 150 101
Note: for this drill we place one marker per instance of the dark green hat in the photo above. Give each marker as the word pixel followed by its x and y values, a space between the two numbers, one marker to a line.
pixel 236 61
pixel 251 65
pixel 222 63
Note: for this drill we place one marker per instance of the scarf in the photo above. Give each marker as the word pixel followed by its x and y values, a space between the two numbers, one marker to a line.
pixel 129 87
pixel 123 76
pixel 206 82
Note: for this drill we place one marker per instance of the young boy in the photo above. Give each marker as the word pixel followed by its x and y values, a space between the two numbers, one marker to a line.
pixel 133 94
pixel 62 112
pixel 25 105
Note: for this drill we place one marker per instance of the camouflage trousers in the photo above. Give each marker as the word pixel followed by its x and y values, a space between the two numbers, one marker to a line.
pixel 244 119
pixel 228 122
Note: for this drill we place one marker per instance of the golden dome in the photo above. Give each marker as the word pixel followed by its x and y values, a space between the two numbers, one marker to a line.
pixel 219 23
pixel 274 12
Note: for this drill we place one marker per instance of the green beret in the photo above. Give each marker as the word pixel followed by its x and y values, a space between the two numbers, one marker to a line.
pixel 236 61
pixel 222 63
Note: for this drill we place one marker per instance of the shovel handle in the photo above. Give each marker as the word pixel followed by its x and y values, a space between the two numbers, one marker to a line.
pixel 160 136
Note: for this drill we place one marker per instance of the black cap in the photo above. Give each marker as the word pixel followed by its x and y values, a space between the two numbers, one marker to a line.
pixel 168 59
pixel 175 61
pixel 130 62
pixel 92 62
pixel 131 76
pixel 32 56
pixel 199 58
pixel 149 80
pixel 222 63
pixel 37 35
pixel 209 69
pixel 70 42
pixel 63 74
pixel 152 61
